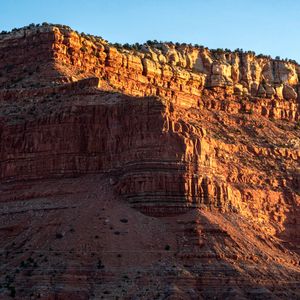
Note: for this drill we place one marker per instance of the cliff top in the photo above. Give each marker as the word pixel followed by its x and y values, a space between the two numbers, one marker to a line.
pixel 50 54
pixel 136 47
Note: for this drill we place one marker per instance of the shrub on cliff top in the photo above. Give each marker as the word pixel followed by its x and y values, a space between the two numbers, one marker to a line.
pixel 151 43
pixel 117 45
pixel 127 46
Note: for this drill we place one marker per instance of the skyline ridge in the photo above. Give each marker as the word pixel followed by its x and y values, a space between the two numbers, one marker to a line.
pixel 155 41
pixel 265 27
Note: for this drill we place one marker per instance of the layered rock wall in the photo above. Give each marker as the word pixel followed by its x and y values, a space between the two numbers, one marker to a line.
pixel 136 141
pixel 182 74
pixel 189 133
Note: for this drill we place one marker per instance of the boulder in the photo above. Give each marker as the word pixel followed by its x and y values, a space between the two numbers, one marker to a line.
pixel 289 93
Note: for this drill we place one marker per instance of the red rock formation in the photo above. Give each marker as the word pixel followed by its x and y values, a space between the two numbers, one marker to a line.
pixel 205 145
pixel 183 74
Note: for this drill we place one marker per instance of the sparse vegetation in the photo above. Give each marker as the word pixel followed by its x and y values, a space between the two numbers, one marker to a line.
pixel 22 264
pixel 83 49
pixel 9 280
pixel 150 43
pixel 59 235
pixel 12 290
pixel 297 126
pixel 117 45
pixel 100 265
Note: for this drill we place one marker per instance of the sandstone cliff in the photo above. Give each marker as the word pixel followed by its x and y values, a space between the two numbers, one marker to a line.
pixel 200 146
pixel 180 73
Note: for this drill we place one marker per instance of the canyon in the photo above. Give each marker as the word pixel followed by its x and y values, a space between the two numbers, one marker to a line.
pixel 161 171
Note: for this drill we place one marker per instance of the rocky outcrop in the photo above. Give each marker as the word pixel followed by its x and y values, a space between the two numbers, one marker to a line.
pixel 162 158
pixel 178 73
pixel 201 147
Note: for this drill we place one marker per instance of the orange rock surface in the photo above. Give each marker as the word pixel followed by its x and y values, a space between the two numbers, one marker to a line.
pixel 168 172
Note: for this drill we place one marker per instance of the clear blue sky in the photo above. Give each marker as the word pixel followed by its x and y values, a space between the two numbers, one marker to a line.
pixel 265 26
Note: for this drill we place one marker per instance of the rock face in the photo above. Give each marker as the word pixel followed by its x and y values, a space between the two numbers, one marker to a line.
pixel 198 149
pixel 181 74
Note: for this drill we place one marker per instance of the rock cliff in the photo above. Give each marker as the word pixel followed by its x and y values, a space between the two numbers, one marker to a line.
pixel 54 55
pixel 199 149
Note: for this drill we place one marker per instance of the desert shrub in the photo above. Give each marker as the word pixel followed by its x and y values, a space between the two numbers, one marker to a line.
pixel 100 265
pixel 127 46
pixel 117 45
pixel 12 290
pixel 83 49
pixel 59 235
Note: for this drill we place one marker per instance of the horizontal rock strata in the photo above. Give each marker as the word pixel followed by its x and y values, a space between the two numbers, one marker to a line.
pixel 200 146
